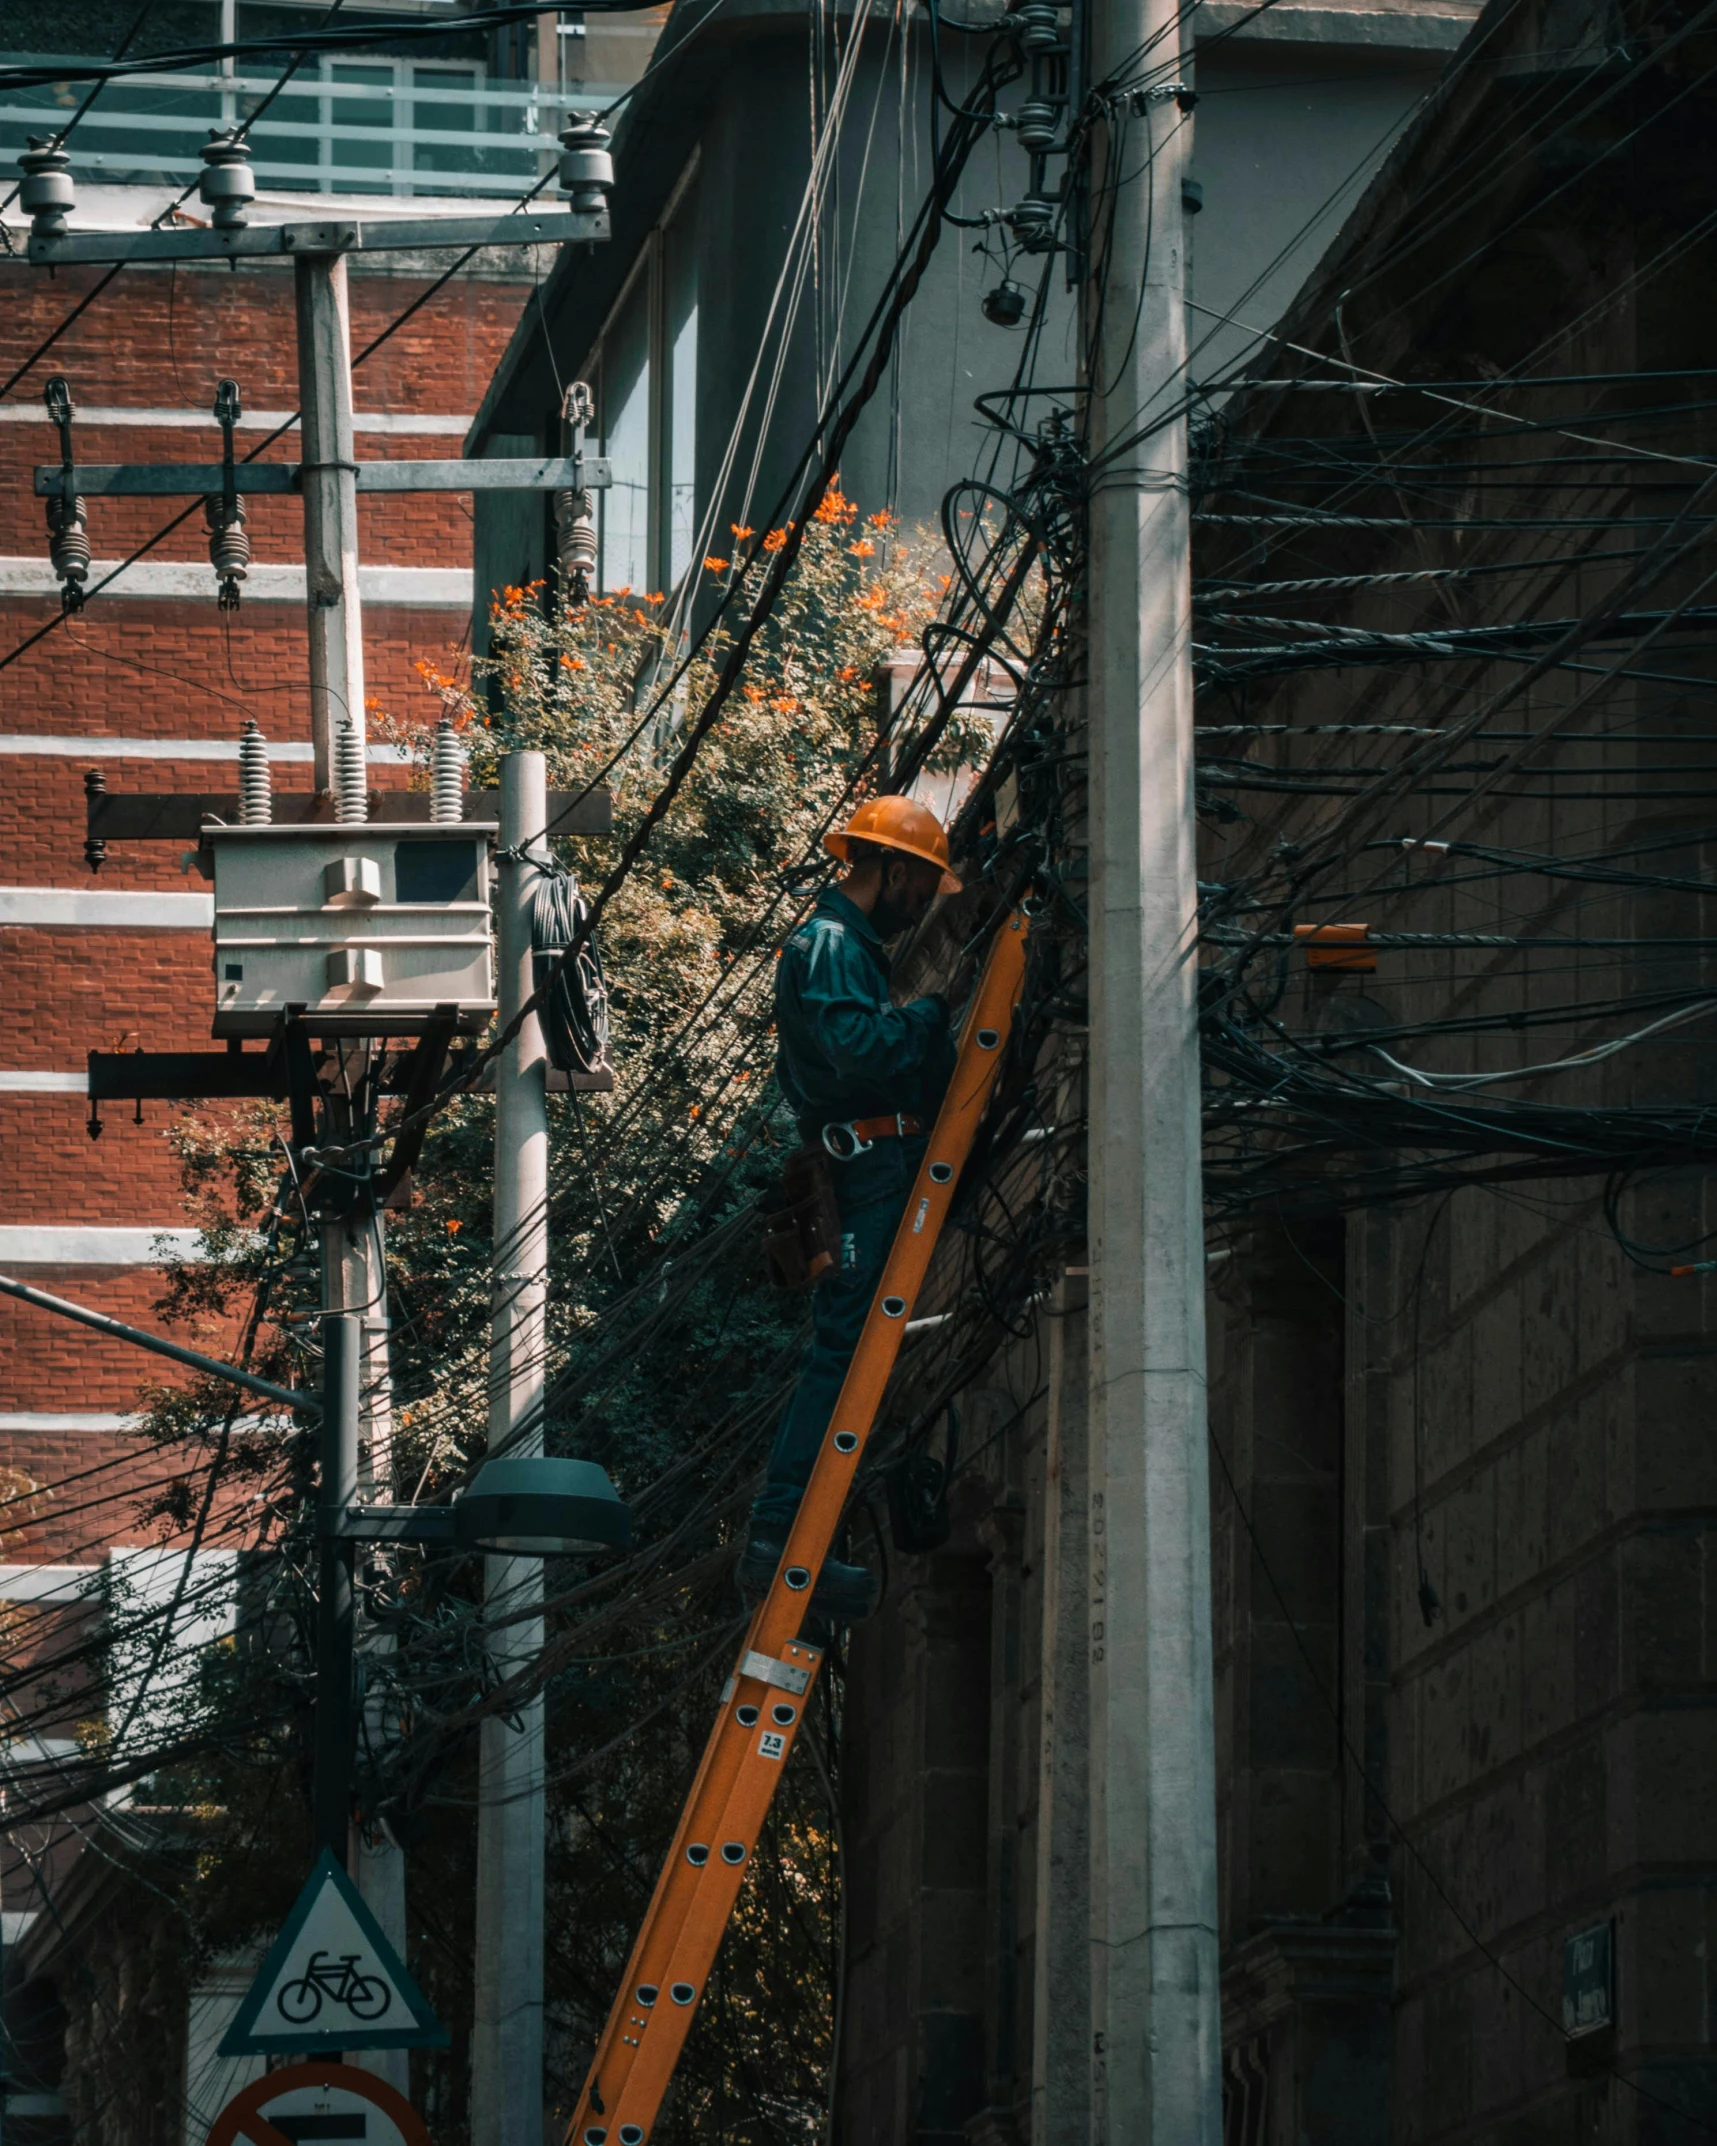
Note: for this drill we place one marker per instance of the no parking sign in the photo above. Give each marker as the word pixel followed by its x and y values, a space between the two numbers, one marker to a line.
pixel 315 2102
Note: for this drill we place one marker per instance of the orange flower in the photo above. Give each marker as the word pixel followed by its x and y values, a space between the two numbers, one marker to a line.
pixel 742 534
pixel 754 693
pixel 847 673
pixel 863 549
pixel 835 506
pixel 454 1226
pixel 716 566
pixel 776 539
pixel 785 704
pixel 881 519
pixel 572 663
pixel 696 1111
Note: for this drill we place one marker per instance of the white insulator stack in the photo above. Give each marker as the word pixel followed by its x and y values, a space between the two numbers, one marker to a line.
pixel 447 775
pixel 351 791
pixel 575 542
pixel 255 785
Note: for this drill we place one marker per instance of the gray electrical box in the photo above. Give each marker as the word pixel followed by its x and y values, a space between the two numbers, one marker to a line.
pixel 365 930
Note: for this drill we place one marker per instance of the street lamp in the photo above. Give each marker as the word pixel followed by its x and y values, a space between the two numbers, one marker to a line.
pixel 535 1507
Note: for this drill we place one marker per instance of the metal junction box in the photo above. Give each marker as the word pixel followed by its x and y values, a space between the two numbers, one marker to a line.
pixel 364 930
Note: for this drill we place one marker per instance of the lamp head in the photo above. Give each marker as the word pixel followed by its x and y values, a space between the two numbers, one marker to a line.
pixel 535 1507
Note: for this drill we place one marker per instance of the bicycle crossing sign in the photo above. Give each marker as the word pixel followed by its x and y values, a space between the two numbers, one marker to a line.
pixel 331 1982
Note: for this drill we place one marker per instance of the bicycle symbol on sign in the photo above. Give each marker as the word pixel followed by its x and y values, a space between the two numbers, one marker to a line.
pixel 364 1996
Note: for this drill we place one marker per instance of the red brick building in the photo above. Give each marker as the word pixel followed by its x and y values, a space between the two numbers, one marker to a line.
pixel 150 684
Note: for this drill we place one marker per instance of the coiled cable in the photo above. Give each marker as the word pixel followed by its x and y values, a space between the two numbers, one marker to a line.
pixel 574 1010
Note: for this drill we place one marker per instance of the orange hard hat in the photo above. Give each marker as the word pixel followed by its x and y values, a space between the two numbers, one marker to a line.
pixel 897 823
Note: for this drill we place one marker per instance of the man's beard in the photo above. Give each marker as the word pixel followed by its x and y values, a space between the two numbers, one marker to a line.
pixel 892 914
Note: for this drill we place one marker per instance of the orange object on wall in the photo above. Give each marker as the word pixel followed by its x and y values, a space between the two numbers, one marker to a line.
pixel 1337 946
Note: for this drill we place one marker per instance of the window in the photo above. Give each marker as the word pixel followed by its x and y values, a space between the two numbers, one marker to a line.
pixel 644 374
pixel 625 418
pixel 679 399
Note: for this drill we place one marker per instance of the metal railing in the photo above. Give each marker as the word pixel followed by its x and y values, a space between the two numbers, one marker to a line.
pixel 381 126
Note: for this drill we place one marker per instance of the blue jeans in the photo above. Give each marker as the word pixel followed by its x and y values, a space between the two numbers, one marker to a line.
pixel 871 1193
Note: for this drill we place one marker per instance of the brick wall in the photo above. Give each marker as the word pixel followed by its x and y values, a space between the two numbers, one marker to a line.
pixel 134 668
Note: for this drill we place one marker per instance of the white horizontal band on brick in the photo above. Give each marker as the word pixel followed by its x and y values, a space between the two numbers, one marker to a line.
pixel 48 1583
pixel 53 1423
pixel 435 588
pixel 27 1083
pixel 58 746
pixel 400 425
pixel 29 1244
pixel 113 911
pixel 51 1420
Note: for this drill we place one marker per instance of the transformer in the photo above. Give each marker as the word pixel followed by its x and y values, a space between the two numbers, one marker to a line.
pixel 361 930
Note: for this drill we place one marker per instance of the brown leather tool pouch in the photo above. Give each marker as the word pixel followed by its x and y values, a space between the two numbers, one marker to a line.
pixel 802 1224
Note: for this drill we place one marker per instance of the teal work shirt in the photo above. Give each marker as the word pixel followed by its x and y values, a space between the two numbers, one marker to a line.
pixel 845 1050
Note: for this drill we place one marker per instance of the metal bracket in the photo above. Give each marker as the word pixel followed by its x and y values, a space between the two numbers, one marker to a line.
pixel 179 815
pixel 427 1524
pixel 767 1670
pixel 553 227
pixel 168 480
pixel 427 1062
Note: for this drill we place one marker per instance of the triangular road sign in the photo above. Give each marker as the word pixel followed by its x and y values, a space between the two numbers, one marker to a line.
pixel 331 1981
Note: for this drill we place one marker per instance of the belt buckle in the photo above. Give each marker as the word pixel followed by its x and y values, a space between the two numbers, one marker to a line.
pixel 859 1147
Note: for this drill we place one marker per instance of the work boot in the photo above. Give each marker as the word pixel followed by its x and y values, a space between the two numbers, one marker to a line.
pixel 844 1594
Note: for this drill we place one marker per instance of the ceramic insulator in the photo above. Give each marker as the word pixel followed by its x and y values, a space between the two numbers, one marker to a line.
pixel 255 789
pixel 447 774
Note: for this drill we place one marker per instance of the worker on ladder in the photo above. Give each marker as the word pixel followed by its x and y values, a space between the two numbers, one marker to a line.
pixel 865 1079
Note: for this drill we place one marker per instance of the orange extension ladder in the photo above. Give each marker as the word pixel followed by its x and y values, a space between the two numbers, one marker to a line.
pixel 765 1698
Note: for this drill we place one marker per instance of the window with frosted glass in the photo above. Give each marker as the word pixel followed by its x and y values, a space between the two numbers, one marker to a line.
pixel 625 391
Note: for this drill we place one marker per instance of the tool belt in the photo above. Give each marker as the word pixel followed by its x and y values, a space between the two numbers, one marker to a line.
pixel 854 1136
pixel 802 1224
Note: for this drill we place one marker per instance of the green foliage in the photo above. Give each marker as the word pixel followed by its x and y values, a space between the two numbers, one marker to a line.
pixel 669 1355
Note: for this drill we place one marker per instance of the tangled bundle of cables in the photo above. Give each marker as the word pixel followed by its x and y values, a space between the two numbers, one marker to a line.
pixel 574 1008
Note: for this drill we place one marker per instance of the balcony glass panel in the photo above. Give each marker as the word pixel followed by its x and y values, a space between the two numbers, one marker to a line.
pixel 342 126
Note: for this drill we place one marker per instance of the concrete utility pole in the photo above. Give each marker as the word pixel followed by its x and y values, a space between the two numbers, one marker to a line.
pixel 355 1277
pixel 330 483
pixel 354 1267
pixel 507 2045
pixel 1155 1996
pixel 342 1368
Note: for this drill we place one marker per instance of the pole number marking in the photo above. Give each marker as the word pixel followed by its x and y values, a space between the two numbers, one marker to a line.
pixel 771 1744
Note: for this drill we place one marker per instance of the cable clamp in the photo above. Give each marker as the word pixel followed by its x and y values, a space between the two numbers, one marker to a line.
pixel 767 1670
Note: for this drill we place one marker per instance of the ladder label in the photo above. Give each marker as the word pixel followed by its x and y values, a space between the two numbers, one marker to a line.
pixel 771 1744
